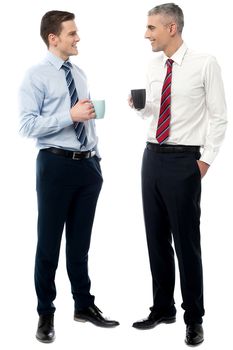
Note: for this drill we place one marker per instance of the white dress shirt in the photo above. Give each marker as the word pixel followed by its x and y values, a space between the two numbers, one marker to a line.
pixel 198 107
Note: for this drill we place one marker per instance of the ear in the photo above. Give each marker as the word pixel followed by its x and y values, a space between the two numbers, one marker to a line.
pixel 173 29
pixel 52 38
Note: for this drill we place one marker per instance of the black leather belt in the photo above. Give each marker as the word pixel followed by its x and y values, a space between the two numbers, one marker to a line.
pixel 70 154
pixel 165 148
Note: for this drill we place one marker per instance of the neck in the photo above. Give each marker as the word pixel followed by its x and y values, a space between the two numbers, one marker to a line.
pixel 173 47
pixel 58 54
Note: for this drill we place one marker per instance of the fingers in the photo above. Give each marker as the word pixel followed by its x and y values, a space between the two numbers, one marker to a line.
pixel 85 100
pixel 91 111
pixel 86 104
pixel 130 101
pixel 91 114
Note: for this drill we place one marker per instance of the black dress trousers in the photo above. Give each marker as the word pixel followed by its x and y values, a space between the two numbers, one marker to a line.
pixel 67 192
pixel 171 190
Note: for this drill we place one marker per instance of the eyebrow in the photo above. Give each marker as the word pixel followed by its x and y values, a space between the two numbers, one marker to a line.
pixel 73 32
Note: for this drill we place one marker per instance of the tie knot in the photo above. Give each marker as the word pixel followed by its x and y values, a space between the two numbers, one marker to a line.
pixel 66 66
pixel 169 62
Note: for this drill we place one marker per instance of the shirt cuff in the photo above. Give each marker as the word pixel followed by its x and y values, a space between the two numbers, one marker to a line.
pixel 208 156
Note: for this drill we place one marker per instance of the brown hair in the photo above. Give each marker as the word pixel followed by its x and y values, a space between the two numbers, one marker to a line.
pixel 51 23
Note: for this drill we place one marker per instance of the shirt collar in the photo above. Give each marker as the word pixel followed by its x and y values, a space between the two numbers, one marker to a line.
pixel 56 61
pixel 178 56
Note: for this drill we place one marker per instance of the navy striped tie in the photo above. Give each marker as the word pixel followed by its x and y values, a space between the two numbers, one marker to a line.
pixel 163 127
pixel 79 127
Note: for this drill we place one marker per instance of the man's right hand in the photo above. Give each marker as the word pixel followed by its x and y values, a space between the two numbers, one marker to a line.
pixel 83 110
pixel 130 101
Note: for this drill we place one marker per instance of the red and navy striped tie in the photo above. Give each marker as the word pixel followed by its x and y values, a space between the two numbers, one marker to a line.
pixel 79 127
pixel 163 126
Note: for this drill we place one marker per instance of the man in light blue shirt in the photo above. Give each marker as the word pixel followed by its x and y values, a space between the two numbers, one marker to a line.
pixel 47 119
pixel 68 175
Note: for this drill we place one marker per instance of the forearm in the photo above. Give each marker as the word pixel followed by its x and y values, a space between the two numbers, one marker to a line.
pixel 214 139
pixel 34 126
pixel 148 111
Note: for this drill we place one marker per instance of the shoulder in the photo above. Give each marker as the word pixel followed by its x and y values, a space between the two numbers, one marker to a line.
pixel 38 70
pixel 202 57
pixel 204 63
pixel 37 76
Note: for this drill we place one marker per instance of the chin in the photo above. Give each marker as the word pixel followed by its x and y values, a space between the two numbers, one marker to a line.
pixel 74 53
pixel 156 49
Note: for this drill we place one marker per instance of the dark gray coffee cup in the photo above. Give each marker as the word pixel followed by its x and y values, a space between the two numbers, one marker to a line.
pixel 139 98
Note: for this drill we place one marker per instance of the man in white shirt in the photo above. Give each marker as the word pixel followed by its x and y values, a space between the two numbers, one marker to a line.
pixel 185 96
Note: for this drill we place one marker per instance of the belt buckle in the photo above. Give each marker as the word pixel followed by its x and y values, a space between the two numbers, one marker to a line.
pixel 76 155
pixel 79 155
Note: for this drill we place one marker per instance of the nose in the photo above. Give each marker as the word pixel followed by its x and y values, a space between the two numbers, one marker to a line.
pixel 77 39
pixel 147 35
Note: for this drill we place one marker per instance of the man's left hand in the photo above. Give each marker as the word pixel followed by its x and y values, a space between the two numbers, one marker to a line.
pixel 203 167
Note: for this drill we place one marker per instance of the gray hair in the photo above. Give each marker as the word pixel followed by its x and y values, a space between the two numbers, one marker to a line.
pixel 172 10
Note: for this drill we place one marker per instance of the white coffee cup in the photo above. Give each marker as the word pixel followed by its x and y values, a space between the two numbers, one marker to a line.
pixel 99 106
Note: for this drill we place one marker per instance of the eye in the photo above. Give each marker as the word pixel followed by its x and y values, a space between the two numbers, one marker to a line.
pixel 151 28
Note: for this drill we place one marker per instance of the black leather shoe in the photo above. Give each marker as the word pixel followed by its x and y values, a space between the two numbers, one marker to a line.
pixel 194 334
pixel 154 319
pixel 45 331
pixel 94 315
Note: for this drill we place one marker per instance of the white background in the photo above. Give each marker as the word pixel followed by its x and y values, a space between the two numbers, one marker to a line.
pixel 114 54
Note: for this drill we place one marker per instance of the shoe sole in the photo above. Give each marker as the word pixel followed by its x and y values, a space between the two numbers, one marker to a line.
pixel 80 320
pixel 45 341
pixel 166 320
pixel 193 345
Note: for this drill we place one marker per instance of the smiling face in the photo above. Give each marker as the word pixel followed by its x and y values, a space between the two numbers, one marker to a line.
pixel 161 31
pixel 64 45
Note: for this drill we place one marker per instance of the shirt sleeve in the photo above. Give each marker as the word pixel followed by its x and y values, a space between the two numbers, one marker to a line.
pixel 216 106
pixel 33 123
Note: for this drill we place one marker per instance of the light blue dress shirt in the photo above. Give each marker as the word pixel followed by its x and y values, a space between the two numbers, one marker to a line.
pixel 45 106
